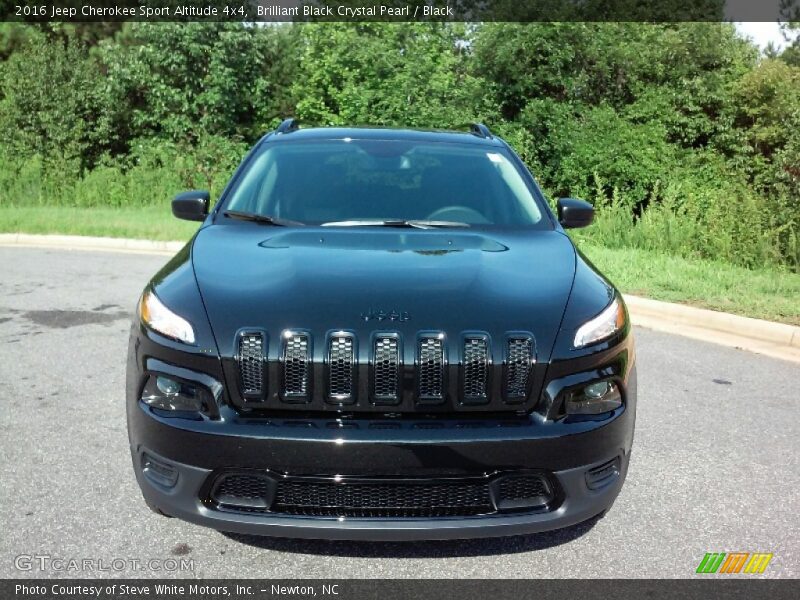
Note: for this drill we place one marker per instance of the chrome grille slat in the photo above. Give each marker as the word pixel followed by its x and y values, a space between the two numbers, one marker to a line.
pixel 475 368
pixel 296 365
pixel 386 369
pixel 341 355
pixel 251 366
pixel 518 367
pixel 430 368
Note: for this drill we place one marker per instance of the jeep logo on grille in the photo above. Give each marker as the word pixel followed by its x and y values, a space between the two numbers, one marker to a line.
pixel 385 315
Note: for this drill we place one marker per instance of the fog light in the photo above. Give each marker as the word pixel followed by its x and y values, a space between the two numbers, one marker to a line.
pixel 167 386
pixel 166 393
pixel 596 398
pixel 159 471
pixel 596 390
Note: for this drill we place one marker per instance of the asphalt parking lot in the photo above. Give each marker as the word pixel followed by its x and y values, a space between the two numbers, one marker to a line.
pixel 715 465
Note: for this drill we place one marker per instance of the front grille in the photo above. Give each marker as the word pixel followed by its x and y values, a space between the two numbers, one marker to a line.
pixel 340 368
pixel 518 367
pixel 476 367
pixel 380 498
pixel 370 377
pixel 251 361
pixel 296 366
pixel 430 368
pixel 386 369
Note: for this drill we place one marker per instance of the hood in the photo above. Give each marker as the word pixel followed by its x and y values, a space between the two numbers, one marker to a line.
pixel 365 280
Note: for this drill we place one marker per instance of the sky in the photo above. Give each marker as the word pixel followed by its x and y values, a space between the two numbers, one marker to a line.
pixel 763 33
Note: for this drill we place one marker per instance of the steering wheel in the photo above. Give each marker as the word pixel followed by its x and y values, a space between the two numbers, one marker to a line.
pixel 460 214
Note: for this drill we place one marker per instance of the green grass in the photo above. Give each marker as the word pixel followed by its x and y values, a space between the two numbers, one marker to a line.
pixel 149 223
pixel 766 293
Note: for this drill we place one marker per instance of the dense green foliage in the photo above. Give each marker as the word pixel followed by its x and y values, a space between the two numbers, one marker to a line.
pixel 685 139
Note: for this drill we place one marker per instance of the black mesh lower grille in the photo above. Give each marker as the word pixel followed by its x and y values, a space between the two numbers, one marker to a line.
pixel 411 498
pixel 382 499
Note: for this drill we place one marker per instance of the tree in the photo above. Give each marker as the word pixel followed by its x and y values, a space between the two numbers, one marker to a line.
pixel 178 80
pixel 407 74
pixel 53 105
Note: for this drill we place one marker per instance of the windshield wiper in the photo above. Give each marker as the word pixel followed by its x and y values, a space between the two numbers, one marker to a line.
pixel 257 218
pixel 400 223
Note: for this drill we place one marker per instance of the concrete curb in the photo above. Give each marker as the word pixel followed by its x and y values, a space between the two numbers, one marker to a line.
pixel 78 242
pixel 755 335
pixel 776 340
pixel 767 331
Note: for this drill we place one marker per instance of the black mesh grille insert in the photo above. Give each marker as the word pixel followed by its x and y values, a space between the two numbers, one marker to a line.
pixel 386 369
pixel 522 491
pixel 431 363
pixel 296 365
pixel 390 499
pixel 251 356
pixel 243 492
pixel 340 368
pixel 476 364
pixel 518 367
pixel 521 487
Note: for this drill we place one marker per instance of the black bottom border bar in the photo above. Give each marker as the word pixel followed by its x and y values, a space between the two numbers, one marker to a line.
pixel 405 589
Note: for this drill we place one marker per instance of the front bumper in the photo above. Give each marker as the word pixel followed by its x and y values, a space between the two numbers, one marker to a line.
pixel 415 447
pixel 579 505
pixel 312 447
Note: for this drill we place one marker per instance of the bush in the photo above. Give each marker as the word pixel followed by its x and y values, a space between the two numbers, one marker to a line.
pixel 727 223
pixel 151 174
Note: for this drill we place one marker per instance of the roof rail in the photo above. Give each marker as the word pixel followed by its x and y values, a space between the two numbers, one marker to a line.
pixel 287 126
pixel 480 130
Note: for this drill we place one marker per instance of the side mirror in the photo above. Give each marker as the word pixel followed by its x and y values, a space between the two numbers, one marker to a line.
pixel 192 205
pixel 574 213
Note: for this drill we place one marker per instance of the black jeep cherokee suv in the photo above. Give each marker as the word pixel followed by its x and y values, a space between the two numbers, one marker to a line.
pixel 381 334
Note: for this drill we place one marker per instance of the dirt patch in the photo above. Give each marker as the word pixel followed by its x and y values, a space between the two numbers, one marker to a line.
pixel 62 319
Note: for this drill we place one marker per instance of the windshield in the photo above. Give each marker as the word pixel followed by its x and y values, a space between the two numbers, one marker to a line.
pixel 332 181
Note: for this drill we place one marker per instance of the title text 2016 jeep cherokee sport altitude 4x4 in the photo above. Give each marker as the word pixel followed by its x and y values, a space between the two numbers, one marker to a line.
pixel 381 334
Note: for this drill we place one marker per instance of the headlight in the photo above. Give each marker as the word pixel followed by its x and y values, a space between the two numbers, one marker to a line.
pixel 603 326
pixel 161 319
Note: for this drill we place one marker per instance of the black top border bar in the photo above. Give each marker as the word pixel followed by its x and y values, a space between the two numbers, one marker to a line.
pixel 399 10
